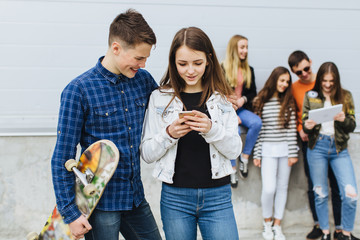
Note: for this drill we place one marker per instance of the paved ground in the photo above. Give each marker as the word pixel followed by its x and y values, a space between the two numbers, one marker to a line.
pixel 296 233
pixel 291 234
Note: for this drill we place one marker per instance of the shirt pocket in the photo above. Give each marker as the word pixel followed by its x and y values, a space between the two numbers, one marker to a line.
pixel 140 108
pixel 224 108
pixel 105 111
pixel 223 112
pixel 165 113
pixel 141 102
pixel 105 118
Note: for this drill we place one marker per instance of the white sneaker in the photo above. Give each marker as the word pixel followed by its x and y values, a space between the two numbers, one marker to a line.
pixel 278 235
pixel 267 232
pixel 233 180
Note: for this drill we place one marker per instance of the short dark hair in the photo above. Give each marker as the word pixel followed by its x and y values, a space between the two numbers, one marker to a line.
pixel 296 57
pixel 132 29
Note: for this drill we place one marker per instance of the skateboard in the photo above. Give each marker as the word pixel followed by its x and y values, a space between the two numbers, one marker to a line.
pixel 92 172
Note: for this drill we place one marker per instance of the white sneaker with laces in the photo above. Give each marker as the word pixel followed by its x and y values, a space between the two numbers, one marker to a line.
pixel 278 235
pixel 233 180
pixel 267 233
pixel 243 167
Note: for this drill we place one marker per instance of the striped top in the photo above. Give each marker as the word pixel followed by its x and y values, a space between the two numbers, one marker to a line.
pixel 272 130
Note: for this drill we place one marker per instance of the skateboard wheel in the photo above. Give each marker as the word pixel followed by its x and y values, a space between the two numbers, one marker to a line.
pixel 32 236
pixel 90 190
pixel 70 164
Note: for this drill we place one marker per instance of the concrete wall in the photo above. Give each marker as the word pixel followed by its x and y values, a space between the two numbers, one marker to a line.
pixel 46 43
pixel 27 196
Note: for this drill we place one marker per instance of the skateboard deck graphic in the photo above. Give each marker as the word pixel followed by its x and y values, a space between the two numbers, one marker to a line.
pixel 97 165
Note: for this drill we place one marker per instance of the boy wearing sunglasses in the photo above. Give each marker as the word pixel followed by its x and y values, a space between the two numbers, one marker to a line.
pixel 300 64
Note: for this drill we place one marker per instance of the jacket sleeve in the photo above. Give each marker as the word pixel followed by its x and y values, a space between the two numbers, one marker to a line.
pixel 305 114
pixel 155 140
pixel 349 123
pixel 250 93
pixel 224 136
pixel 70 123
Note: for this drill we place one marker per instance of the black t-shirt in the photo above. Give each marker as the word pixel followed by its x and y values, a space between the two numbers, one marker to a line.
pixel 192 165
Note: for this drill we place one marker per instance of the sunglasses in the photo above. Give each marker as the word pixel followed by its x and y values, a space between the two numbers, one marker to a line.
pixel 306 69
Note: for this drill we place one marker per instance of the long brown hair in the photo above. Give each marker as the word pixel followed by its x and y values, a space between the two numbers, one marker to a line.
pixel 232 63
pixel 213 79
pixel 286 98
pixel 337 95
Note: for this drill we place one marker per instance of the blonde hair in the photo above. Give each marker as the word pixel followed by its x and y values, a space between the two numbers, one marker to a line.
pixel 232 63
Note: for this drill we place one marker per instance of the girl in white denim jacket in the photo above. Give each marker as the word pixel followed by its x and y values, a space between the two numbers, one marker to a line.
pixel 157 145
pixel 192 153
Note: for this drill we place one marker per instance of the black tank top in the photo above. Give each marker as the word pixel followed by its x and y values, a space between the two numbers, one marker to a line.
pixel 192 164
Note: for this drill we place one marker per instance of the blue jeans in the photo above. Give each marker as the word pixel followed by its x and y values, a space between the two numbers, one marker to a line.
pixel 323 155
pixel 182 209
pixel 335 193
pixel 253 123
pixel 138 223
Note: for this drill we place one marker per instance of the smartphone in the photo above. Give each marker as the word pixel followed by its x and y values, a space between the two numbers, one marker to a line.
pixel 186 113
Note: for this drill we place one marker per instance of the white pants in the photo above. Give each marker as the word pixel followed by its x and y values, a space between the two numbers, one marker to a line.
pixel 275 173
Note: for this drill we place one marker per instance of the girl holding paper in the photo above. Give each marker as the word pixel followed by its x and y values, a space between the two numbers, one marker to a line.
pixel 328 146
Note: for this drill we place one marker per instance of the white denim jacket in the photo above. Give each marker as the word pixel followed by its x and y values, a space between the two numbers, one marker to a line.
pixel 156 145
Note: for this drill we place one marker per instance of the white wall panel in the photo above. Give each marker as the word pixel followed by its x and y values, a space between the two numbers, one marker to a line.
pixel 44 44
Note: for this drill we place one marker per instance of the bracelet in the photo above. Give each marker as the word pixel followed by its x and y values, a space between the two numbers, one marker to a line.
pixel 245 99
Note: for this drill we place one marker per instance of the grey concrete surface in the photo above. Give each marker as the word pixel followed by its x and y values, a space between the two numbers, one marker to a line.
pixel 27 196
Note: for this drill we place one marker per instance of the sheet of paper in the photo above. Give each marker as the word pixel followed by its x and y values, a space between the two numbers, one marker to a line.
pixel 322 115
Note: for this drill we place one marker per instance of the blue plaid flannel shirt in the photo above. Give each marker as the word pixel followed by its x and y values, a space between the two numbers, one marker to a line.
pixel 101 105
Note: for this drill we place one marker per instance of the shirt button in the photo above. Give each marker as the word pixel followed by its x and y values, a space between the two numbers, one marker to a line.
pixel 131 146
pixel 59 132
pixel 107 114
pixel 126 109
pixel 132 164
pixel 214 155
pixel 170 141
pixel 212 107
pixel 129 128
pixel 216 174
pixel 122 92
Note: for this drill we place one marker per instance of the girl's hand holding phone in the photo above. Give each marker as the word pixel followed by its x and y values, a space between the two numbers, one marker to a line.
pixel 198 121
pixel 178 128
